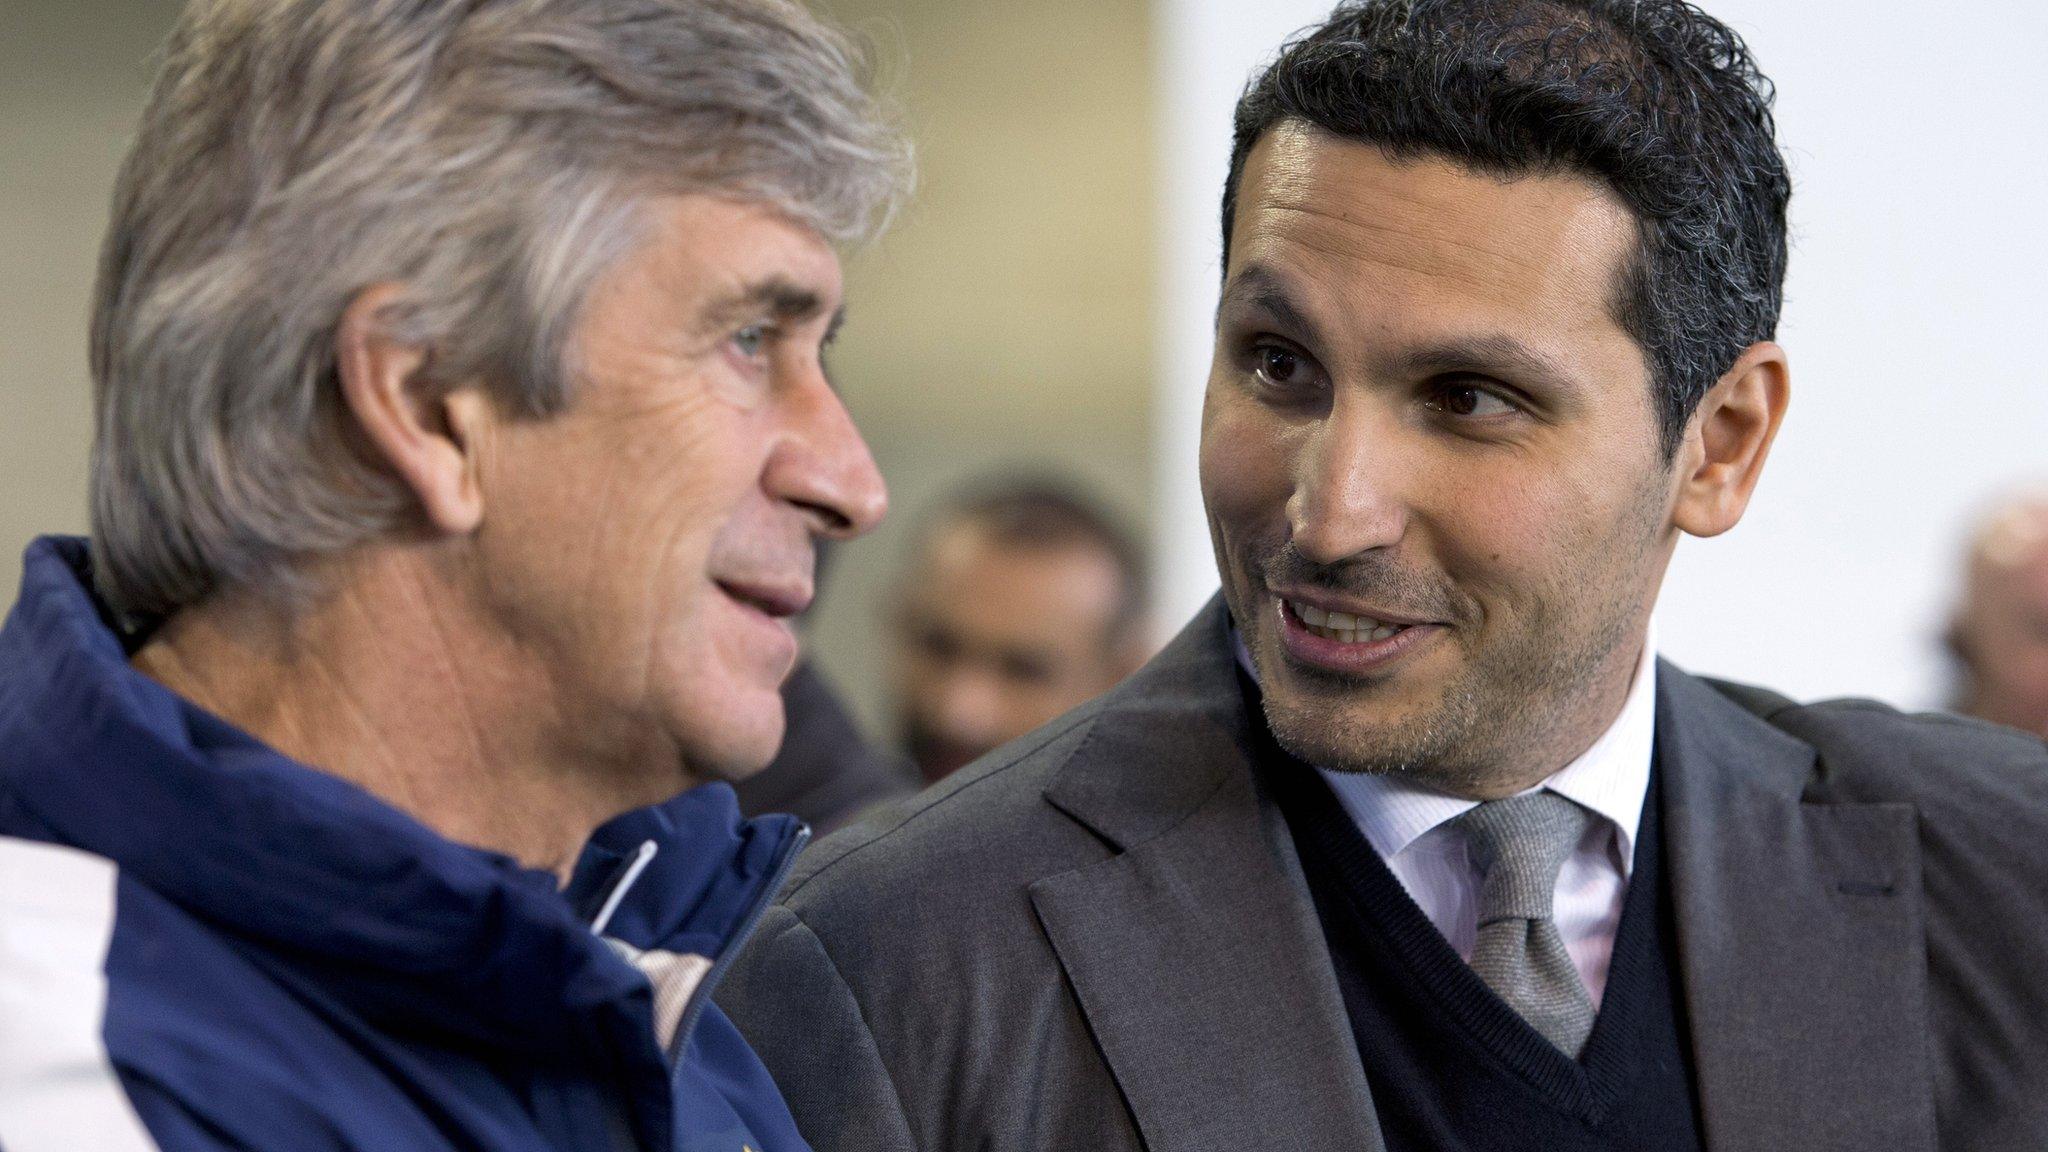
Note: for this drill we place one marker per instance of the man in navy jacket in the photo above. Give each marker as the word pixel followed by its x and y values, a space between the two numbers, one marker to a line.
pixel 462 446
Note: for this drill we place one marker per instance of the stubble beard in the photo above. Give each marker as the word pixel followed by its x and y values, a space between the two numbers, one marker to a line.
pixel 1517 713
pixel 1487 726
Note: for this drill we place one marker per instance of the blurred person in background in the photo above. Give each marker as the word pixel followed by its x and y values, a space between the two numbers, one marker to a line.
pixel 1999 633
pixel 462 444
pixel 1022 600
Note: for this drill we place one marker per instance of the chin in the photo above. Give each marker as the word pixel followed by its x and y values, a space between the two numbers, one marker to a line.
pixel 1320 719
pixel 723 718
pixel 735 743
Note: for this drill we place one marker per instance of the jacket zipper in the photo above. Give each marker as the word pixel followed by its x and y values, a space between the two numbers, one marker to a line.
pixel 733 944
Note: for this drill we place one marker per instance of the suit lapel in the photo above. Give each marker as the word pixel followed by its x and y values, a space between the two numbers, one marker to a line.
pixel 1194 951
pixel 1800 939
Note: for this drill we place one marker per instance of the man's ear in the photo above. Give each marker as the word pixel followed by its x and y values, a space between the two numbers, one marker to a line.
pixel 1723 454
pixel 427 436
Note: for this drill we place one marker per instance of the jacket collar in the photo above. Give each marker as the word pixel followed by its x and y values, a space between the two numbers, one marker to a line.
pixel 1163 741
pixel 1802 941
pixel 399 921
pixel 706 873
pixel 1193 950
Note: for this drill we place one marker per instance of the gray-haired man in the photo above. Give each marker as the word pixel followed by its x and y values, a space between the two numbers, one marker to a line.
pixel 462 444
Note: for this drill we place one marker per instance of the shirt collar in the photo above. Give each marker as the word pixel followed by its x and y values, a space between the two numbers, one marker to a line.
pixel 1610 778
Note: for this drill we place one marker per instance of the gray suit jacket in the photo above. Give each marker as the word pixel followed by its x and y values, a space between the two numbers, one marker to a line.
pixel 1100 938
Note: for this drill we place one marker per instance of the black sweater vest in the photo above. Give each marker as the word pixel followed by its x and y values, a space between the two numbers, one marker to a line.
pixel 1451 1067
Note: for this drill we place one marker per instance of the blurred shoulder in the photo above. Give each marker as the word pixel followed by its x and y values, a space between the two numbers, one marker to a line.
pixel 1871 752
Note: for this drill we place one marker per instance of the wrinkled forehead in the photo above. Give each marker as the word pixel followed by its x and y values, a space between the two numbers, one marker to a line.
pixel 717 248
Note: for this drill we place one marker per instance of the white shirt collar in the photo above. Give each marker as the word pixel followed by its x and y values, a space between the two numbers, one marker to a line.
pixel 1610 778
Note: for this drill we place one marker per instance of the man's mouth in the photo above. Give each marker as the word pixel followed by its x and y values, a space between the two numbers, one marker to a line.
pixel 776 599
pixel 1349 641
pixel 1343 627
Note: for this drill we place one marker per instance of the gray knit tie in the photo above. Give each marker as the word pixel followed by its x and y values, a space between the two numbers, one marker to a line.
pixel 1518 845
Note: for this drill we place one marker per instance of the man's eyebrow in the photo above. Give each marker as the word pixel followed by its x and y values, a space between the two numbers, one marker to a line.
pixel 1496 355
pixel 784 300
pixel 1260 287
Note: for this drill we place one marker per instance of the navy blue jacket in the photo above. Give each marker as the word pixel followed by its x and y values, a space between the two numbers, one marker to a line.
pixel 286 962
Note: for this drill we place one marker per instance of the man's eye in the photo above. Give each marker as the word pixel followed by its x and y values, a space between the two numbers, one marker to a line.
pixel 750 340
pixel 1468 400
pixel 1282 367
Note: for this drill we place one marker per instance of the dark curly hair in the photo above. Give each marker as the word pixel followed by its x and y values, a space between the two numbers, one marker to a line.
pixel 1654 98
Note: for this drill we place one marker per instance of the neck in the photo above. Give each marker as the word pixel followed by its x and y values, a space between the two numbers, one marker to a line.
pixel 393 682
pixel 1606 696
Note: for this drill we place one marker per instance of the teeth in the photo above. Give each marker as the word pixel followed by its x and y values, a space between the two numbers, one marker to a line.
pixel 1343 627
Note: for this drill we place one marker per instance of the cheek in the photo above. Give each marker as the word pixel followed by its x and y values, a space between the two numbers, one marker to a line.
pixel 1494 510
pixel 1244 463
pixel 683 478
pixel 1524 528
pixel 659 497
pixel 703 653
pixel 681 467
pixel 656 528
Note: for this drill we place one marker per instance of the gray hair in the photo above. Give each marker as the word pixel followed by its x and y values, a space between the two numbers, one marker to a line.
pixel 492 156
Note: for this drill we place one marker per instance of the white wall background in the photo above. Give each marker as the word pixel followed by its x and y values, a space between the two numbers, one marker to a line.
pixel 1915 306
pixel 1207 51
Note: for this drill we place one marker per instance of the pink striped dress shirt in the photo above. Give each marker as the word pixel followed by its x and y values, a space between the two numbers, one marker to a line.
pixel 1407 825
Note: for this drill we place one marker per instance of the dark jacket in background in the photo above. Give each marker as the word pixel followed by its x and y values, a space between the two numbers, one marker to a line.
pixel 826 774
pixel 1100 937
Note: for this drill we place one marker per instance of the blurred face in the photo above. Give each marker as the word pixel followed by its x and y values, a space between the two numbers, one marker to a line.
pixel 2004 636
pixel 1430 462
pixel 647 546
pixel 995 640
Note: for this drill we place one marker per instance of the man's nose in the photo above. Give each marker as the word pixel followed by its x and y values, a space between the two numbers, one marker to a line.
pixel 825 467
pixel 1348 484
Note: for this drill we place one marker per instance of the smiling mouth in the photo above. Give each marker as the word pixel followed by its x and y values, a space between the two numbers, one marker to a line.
pixel 1342 627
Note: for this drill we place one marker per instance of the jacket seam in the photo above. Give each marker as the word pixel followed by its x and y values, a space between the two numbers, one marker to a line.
pixel 1783 709
pixel 1820 711
pixel 867 1030
pixel 1021 755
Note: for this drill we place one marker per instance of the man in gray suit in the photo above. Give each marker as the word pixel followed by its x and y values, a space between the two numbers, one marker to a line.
pixel 1409 841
